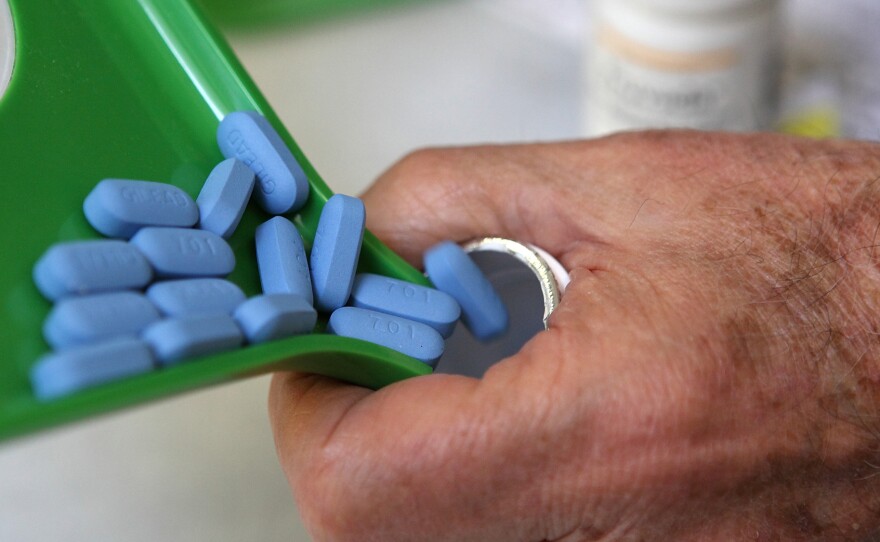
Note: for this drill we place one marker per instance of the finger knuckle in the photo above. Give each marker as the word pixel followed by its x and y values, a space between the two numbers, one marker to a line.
pixel 422 163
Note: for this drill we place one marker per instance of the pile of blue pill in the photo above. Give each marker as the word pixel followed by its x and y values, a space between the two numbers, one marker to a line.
pixel 153 294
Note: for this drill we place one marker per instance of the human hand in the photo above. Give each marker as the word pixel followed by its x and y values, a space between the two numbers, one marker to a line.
pixel 712 372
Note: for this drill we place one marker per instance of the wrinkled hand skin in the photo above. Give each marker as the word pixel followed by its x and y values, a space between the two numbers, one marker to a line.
pixel 712 373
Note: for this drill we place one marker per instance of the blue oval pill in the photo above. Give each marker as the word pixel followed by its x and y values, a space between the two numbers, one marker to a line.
pixel 224 197
pixel 84 267
pixel 182 252
pixel 275 316
pixel 282 184
pixel 195 296
pixel 336 250
pixel 414 339
pixel 119 207
pixel 281 257
pixel 95 318
pixel 179 339
pixel 412 301
pixel 65 372
pixel 452 271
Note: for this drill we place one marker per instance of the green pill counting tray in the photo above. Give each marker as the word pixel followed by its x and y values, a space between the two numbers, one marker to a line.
pixel 136 90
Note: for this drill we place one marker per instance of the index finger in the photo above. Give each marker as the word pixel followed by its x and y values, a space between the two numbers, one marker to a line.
pixel 457 194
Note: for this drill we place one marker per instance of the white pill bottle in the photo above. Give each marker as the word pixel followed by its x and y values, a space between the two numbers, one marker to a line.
pixel 704 64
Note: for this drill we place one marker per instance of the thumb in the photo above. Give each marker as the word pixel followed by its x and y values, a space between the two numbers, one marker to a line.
pixel 438 457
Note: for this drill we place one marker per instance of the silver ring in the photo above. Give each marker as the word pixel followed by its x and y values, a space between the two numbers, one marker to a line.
pixel 551 275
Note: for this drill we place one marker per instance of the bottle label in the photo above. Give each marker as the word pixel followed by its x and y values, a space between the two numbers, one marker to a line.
pixel 631 85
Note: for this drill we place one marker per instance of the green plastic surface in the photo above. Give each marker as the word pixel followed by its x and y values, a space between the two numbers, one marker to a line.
pixel 262 13
pixel 135 89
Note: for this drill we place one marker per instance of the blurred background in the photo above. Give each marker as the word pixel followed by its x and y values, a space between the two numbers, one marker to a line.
pixel 358 88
